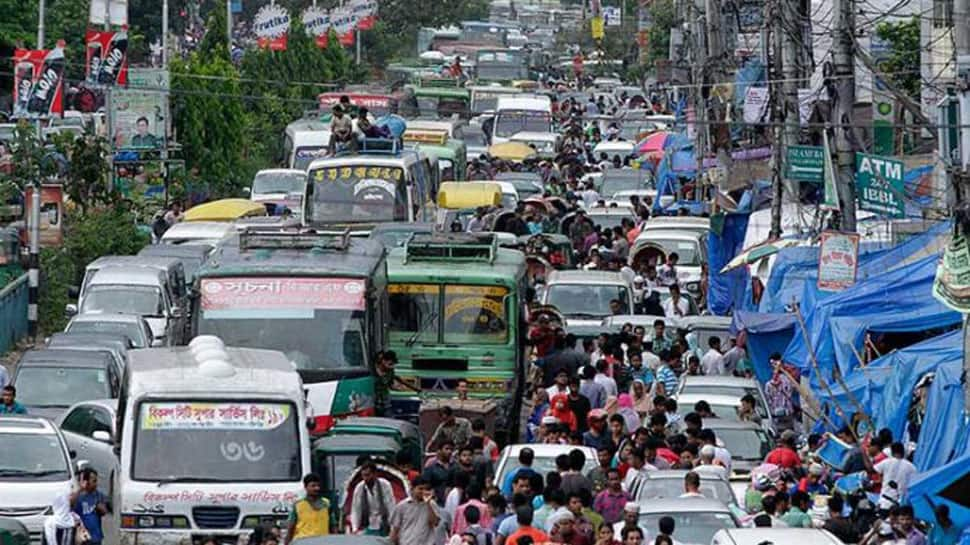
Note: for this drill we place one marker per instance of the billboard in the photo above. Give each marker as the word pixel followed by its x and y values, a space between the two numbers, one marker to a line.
pixel 271 25
pixel 106 57
pixel 39 82
pixel 140 111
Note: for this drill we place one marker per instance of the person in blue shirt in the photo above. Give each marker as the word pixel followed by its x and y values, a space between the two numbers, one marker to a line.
pixel 8 401
pixel 526 457
pixel 91 505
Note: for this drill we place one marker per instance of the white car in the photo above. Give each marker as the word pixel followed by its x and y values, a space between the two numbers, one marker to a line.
pixel 35 467
pixel 690 247
pixel 89 430
pixel 583 297
pixel 774 536
pixel 544 461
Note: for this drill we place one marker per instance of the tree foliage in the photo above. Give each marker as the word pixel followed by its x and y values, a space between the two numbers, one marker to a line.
pixel 403 18
pixel 903 64
pixel 663 16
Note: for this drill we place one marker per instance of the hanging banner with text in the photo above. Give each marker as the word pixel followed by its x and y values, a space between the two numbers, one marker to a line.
pixel 838 260
pixel 343 22
pixel 879 184
pixel 316 21
pixel 271 24
pixel 107 58
pixel 364 13
pixel 38 82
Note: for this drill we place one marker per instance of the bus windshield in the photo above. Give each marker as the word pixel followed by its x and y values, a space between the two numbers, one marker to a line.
pixel 319 323
pixel 511 122
pixel 230 441
pixel 449 314
pixel 357 194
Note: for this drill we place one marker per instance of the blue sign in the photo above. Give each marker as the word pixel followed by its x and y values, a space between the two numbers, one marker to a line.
pixel 237 6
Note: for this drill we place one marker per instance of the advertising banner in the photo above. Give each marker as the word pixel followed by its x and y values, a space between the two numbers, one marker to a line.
pixel 107 58
pixel 838 260
pixel 271 25
pixel 213 416
pixel 140 110
pixel 364 12
pixel 38 82
pixel 879 184
pixel 316 20
pixel 281 293
pixel 343 23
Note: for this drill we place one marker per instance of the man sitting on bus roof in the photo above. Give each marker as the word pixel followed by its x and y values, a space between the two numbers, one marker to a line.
pixel 341 131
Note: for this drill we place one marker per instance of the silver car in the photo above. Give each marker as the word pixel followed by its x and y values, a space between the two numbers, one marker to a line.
pixel 666 484
pixel 134 327
pixel 89 430
pixel 696 520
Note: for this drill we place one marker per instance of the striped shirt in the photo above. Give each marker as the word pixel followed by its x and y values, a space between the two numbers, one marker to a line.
pixel 667 376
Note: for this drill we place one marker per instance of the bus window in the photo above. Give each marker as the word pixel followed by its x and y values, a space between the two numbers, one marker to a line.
pixel 413 308
pixel 475 314
pixel 356 193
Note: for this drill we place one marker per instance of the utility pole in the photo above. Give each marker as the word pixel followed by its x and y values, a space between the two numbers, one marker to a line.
pixel 717 59
pixel 959 175
pixel 789 26
pixel 779 193
pixel 698 80
pixel 165 34
pixel 229 25
pixel 40 24
pixel 842 118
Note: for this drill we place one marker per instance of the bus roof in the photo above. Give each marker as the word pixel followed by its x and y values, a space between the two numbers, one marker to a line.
pixel 441 92
pixel 177 371
pixel 507 268
pixel 524 102
pixel 294 254
pixel 401 160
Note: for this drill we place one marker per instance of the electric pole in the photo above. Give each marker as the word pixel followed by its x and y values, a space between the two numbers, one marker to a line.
pixel 789 26
pixel 842 116
pixel 779 193
pixel 698 80
pixel 959 175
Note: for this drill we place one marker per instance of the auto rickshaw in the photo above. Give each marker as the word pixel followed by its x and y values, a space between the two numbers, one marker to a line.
pixel 13 532
pixel 225 210
pixel 395 477
pixel 556 249
pixel 404 432
pixel 645 252
pixel 333 457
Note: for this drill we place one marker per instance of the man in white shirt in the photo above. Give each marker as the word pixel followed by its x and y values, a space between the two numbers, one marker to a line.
pixel 721 454
pixel 713 361
pixel 637 472
pixel 590 195
pixel 676 306
pixel 667 273
pixel 895 469
pixel 692 485
pixel 707 464
pixel 372 503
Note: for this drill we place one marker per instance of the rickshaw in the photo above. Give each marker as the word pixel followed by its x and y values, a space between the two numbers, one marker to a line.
pixel 404 432
pixel 645 252
pixel 395 477
pixel 225 210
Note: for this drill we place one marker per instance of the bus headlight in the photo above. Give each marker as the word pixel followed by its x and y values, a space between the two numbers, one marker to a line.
pixel 253 521
pixel 149 521
pixel 693 287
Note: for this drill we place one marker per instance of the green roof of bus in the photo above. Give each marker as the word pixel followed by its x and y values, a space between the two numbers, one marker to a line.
pixel 441 92
pixel 507 269
pixel 360 260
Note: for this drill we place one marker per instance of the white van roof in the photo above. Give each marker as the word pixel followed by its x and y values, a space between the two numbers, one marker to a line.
pixel 245 372
pixel 187 231
pixel 540 103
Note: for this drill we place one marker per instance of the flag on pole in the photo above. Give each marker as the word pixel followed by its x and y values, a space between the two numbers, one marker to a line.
pixel 830 200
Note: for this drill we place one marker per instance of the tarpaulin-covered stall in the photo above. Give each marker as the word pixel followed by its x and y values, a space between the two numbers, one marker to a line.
pixel 764 334
pixel 896 301
pixel 943 434
pixel 947 485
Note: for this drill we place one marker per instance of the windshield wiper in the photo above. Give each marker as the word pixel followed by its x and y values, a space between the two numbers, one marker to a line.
pixel 191 480
pixel 417 334
pixel 582 315
pixel 12 472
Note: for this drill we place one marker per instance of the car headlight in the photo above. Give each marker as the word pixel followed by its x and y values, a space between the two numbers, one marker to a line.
pixel 253 521
pixel 693 287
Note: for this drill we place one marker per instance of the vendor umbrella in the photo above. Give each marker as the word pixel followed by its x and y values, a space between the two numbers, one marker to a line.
pixel 653 143
pixel 758 252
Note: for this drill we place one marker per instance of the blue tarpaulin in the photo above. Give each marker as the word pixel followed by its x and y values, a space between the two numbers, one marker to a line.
pixel 896 301
pixel 764 334
pixel 726 291
pixel 938 440
pixel 947 485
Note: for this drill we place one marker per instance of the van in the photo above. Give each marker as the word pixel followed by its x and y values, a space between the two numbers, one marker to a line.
pixel 213 443
pixel 520 113
pixel 171 266
pixel 305 140
pixel 142 291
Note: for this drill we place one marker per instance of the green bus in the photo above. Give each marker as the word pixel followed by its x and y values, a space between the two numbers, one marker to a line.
pixel 320 298
pixel 436 101
pixel 450 153
pixel 456 312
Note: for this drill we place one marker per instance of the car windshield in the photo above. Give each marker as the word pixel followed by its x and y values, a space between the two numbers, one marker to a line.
pixel 608 221
pixel 317 322
pixel 720 389
pixel 692 528
pixel 611 184
pixel 43 386
pixel 237 441
pixel 117 299
pixel 744 444
pixel 356 193
pixel 474 137
pixel 673 487
pixel 542 465
pixel 37 457
pixel 510 122
pixel 586 299
pixel 278 182
pixel 131 331
pixel 465 314
pixel 687 250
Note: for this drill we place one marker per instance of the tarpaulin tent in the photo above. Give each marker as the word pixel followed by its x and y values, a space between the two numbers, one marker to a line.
pixel 943 431
pixel 726 291
pixel 765 334
pixel 946 485
pixel 896 301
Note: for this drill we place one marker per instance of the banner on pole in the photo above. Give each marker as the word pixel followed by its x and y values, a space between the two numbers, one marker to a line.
pixel 316 20
pixel 102 12
pixel 343 23
pixel 39 82
pixel 140 110
pixel 271 25
pixel 364 13
pixel 838 260
pixel 596 25
pixel 830 199
pixel 106 58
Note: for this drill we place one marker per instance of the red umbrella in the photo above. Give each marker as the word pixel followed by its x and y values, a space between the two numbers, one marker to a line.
pixel 653 142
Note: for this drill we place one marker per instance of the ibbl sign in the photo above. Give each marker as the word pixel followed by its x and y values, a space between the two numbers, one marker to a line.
pixel 879 184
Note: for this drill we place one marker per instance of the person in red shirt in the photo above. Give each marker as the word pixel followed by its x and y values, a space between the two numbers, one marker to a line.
pixel 785 455
pixel 523 515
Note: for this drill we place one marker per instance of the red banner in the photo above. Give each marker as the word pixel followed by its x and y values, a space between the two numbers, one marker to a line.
pixel 272 25
pixel 38 82
pixel 107 57
pixel 282 293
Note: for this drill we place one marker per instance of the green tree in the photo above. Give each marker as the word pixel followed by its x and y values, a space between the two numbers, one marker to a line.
pixel 663 17
pixel 903 63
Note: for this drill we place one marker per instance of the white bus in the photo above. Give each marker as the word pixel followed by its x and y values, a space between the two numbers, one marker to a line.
pixel 522 113
pixel 213 442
